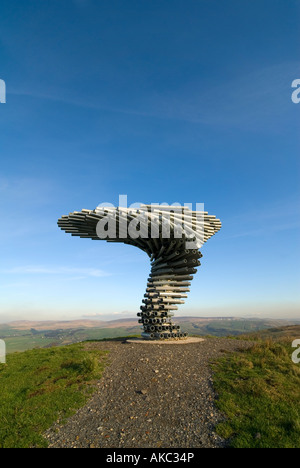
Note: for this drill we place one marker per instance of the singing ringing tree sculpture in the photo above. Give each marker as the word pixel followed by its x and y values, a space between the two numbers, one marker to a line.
pixel 171 236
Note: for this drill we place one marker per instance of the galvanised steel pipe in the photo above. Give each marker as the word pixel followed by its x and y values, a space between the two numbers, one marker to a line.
pixel 173 264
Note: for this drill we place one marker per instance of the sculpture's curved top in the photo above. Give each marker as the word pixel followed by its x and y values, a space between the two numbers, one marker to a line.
pixel 170 235
pixel 149 227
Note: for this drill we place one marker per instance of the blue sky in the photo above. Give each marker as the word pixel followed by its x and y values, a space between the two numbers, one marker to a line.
pixel 182 101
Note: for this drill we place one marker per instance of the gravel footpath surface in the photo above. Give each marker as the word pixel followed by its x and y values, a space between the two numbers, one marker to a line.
pixel 150 396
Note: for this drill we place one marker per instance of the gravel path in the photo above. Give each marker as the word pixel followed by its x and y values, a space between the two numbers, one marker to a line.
pixel 150 396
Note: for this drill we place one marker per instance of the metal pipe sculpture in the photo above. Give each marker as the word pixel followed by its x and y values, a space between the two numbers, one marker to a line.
pixel 171 236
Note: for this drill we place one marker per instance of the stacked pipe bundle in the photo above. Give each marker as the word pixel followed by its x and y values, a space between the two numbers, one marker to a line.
pixel 171 236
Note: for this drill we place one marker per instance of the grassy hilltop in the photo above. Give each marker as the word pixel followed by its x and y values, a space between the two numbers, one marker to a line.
pixel 24 335
pixel 258 391
pixel 42 385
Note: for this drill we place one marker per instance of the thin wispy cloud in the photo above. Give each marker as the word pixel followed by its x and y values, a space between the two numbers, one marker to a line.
pixel 61 97
pixel 249 98
pixel 15 285
pixel 267 230
pixel 24 192
pixel 282 215
pixel 24 203
pixel 242 99
pixel 43 270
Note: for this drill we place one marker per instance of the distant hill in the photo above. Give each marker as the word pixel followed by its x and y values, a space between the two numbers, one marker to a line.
pixel 289 332
pixel 86 323
pixel 23 335
pixel 53 324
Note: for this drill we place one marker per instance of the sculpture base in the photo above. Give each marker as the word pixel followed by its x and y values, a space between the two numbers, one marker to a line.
pixel 188 340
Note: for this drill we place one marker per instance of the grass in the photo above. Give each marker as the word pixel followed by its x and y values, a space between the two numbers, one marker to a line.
pixel 23 340
pixel 24 343
pixel 40 386
pixel 259 393
pixel 285 334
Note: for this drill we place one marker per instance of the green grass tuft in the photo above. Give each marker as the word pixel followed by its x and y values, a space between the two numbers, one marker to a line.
pixel 259 393
pixel 40 386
